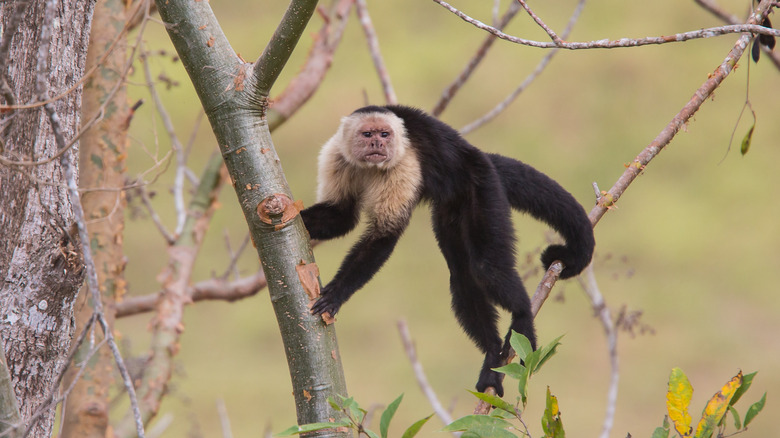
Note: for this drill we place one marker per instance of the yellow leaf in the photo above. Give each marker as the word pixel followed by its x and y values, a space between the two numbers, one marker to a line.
pixel 717 406
pixel 678 397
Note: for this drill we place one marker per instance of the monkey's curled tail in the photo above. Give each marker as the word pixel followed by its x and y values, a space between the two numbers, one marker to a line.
pixel 531 191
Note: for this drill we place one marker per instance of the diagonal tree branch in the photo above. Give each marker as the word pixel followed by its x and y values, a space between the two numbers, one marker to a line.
pixel 608 199
pixel 281 46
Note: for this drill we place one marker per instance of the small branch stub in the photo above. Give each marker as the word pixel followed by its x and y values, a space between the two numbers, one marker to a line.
pixel 278 210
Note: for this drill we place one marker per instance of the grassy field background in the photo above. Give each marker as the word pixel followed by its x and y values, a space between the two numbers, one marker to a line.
pixel 693 243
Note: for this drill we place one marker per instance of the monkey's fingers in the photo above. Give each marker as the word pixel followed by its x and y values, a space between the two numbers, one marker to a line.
pixel 322 305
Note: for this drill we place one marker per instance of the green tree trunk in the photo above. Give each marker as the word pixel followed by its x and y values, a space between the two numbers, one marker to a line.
pixel 234 96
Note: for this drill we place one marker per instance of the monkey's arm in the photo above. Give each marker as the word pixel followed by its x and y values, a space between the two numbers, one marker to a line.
pixel 328 220
pixel 363 261
pixel 533 192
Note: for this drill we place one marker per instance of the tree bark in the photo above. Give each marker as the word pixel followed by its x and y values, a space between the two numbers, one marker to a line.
pixel 234 96
pixel 102 166
pixel 40 267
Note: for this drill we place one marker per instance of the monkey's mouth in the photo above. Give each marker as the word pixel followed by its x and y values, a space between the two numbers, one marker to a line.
pixel 375 157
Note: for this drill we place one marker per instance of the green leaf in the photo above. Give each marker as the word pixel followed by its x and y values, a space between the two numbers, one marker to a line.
pixel 735 414
pixel 754 409
pixel 660 432
pixel 494 400
pixel 470 422
pixel 747 139
pixel 334 404
pixel 387 415
pixel 747 380
pixel 487 432
pixel 663 431
pixel 513 370
pixel 547 352
pixel 521 344
pixel 370 433
pixel 532 361
pixel 678 398
pixel 551 420
pixel 414 428
pixel 501 413
pixel 355 412
pixel 311 427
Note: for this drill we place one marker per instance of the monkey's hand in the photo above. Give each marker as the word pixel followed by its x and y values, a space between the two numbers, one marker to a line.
pixel 573 261
pixel 329 302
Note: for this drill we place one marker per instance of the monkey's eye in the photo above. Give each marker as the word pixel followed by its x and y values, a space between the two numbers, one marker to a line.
pixel 385 134
pixel 366 134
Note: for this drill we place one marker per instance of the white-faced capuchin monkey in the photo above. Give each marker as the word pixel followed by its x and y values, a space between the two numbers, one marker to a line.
pixel 385 160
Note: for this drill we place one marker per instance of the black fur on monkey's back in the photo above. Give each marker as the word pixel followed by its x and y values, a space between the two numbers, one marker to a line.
pixel 452 167
pixel 471 194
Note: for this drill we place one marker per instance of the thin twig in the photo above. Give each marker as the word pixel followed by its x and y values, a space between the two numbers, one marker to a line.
pixel 231 268
pixel 588 282
pixel 419 374
pixel 465 74
pixel 717 11
pixel 373 45
pixel 305 83
pixel 169 238
pixel 714 80
pixel 503 105
pixel 181 156
pixel 752 28
pixel 553 36
pixel 224 420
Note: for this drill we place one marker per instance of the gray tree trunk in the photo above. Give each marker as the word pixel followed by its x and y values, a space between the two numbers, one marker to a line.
pixel 40 268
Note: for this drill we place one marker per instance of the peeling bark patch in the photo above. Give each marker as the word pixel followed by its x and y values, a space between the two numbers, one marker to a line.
pixel 308 274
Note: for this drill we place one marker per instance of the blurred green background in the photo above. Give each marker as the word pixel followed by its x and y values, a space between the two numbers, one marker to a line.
pixel 693 243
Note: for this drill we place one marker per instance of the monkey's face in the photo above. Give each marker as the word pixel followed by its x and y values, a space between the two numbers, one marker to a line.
pixel 372 142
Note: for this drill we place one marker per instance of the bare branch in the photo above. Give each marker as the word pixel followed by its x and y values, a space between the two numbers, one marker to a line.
pixel 373 45
pixel 234 256
pixel 545 27
pixel 752 27
pixel 498 109
pixel 679 120
pixel 211 289
pixel 279 49
pixel 637 166
pixel 178 182
pixel 588 282
pixel 305 83
pixel 224 420
pixel 465 74
pixel 716 10
pixel 419 373
pixel 169 238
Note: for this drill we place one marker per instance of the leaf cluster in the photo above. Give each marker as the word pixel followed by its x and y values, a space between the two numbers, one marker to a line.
pixel 713 418
pixel 353 418
pixel 497 423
